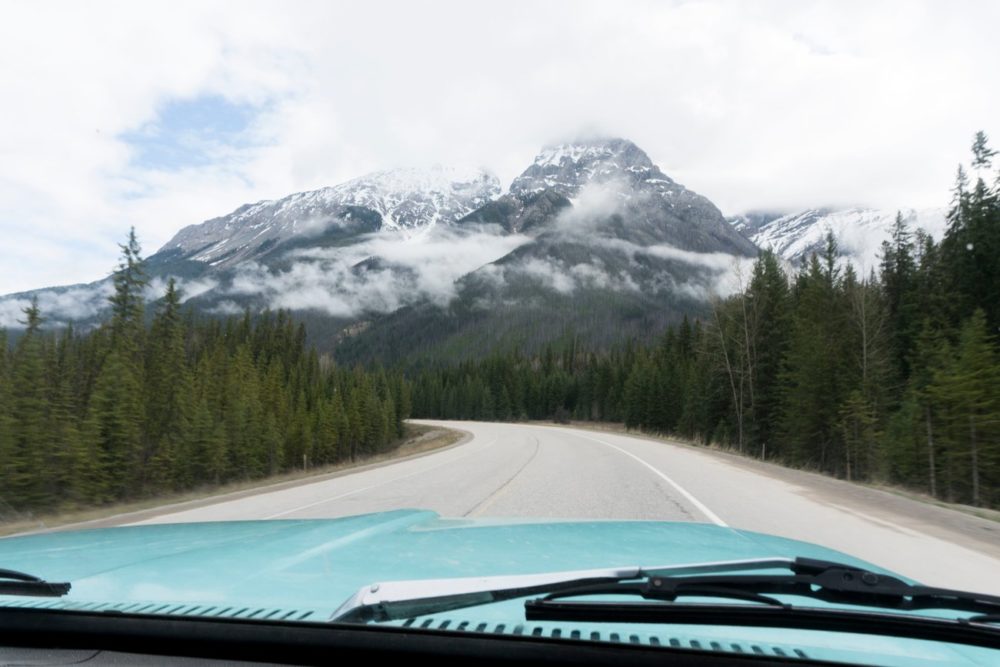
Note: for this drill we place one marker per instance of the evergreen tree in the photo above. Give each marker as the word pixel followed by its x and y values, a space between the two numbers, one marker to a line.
pixel 114 428
pixel 899 284
pixel 982 154
pixel 128 301
pixel 969 391
pixel 23 479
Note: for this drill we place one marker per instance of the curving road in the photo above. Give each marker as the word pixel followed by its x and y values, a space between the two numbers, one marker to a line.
pixel 520 470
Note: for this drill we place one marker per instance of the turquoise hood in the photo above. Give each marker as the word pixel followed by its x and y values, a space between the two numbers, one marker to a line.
pixel 304 569
pixel 315 565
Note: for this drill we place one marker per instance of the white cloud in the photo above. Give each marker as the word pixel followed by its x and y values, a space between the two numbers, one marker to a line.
pixel 403 269
pixel 80 302
pixel 57 307
pixel 594 203
pixel 550 274
pixel 764 104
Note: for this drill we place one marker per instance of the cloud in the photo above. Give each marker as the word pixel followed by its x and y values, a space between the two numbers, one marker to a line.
pixel 380 274
pixel 594 204
pixel 552 275
pixel 58 307
pixel 716 261
pixel 755 105
pixel 188 288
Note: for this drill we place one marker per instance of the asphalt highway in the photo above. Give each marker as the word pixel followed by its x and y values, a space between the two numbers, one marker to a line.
pixel 540 471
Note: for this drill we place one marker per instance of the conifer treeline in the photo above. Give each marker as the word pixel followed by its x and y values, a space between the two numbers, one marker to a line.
pixel 892 377
pixel 131 410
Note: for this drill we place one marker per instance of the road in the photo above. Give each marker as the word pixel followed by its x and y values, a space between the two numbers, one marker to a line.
pixel 522 470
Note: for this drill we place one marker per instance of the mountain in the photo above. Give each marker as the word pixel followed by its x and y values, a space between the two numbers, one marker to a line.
pixel 859 231
pixel 214 260
pixel 590 240
pixel 617 176
pixel 402 199
pixel 611 247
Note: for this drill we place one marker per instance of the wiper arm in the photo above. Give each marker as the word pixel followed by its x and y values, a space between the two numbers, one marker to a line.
pixel 814 579
pixel 13 582
pixel 396 600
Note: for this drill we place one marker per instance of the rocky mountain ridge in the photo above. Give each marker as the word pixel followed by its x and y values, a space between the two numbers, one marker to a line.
pixel 394 200
pixel 859 232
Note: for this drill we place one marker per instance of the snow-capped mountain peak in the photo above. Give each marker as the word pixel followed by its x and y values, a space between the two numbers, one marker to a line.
pixel 392 200
pixel 568 167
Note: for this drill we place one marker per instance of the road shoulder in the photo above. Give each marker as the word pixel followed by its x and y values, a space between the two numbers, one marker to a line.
pixel 423 442
pixel 976 528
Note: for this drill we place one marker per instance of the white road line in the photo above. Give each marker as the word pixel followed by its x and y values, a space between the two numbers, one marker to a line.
pixel 712 516
pixel 373 486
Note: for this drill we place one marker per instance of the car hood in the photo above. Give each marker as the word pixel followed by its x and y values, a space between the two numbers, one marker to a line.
pixel 302 570
pixel 316 564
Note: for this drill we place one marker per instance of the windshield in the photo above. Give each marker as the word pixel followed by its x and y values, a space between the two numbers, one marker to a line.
pixel 303 306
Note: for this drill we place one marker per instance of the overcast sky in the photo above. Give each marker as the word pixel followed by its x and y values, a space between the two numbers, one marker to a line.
pixel 161 115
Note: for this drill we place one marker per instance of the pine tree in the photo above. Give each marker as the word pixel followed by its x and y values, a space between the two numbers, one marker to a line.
pixel 969 388
pixel 971 246
pixel 168 392
pixel 7 448
pixel 982 154
pixel 114 428
pixel 769 294
pixel 812 377
pixel 67 459
pixel 128 300
pixel 898 278
pixel 29 414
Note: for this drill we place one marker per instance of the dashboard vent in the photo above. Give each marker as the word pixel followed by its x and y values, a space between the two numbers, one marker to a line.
pixel 639 638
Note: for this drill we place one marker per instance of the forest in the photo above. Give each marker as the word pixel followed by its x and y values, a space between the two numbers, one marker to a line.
pixel 159 402
pixel 892 377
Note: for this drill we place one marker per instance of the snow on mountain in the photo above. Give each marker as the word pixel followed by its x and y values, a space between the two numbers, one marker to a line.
pixel 401 200
pixel 413 198
pixel 613 184
pixel 859 231
pixel 566 168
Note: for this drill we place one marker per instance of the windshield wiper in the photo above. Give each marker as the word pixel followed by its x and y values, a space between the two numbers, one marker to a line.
pixel 660 587
pixel 13 582
pixel 814 579
pixel 397 600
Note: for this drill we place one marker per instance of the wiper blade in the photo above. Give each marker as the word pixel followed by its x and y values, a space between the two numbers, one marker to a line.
pixel 815 579
pixel 397 600
pixel 13 582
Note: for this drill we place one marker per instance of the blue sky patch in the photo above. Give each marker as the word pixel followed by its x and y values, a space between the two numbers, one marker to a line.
pixel 191 133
